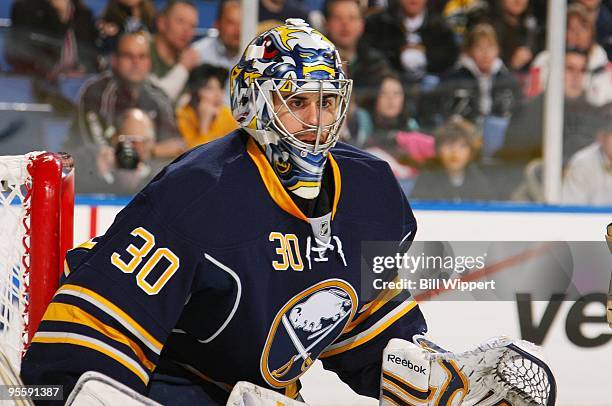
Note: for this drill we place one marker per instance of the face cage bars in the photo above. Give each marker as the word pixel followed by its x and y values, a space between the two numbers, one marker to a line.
pixel 342 91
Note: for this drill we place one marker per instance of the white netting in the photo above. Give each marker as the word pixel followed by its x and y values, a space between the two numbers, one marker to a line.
pixel 15 182
pixel 504 369
pixel 527 380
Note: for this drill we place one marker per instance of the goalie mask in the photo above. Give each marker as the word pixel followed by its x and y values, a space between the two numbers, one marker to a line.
pixel 290 94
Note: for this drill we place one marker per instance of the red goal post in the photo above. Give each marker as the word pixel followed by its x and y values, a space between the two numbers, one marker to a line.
pixel 36 230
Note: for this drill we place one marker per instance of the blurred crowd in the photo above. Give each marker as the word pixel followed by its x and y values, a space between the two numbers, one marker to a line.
pixel 449 92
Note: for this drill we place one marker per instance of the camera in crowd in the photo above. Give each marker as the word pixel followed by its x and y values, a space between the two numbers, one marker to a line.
pixel 126 156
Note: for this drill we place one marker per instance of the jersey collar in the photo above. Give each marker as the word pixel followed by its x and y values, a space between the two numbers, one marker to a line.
pixel 275 188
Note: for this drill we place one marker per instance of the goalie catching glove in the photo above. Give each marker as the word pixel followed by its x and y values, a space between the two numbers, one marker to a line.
pixel 501 371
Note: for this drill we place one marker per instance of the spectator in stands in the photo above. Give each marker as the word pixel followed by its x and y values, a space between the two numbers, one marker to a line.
pixel 280 10
pixel 592 7
pixel 461 14
pixel 580 34
pixel 453 175
pixel 52 38
pixel 523 140
pixel 344 25
pixel 171 55
pixel 390 111
pixel 480 85
pixel 395 137
pixel 121 16
pixel 519 34
pixel 357 126
pixel 223 50
pixel 413 42
pixel 124 166
pixel 205 118
pixel 107 96
pixel 588 178
pixel 600 13
pixel 603 24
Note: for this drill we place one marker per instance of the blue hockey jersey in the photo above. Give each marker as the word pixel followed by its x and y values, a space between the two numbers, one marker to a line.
pixel 213 270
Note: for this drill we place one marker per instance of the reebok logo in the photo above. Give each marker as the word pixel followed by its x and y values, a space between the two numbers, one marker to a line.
pixel 401 361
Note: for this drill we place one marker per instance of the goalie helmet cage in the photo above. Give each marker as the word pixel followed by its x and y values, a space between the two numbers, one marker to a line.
pixel 36 230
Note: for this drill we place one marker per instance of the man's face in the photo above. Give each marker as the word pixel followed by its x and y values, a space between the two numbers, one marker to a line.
pixel 578 34
pixel 137 128
pixel 575 66
pixel 178 26
pixel 484 52
pixel 455 155
pixel 229 26
pixel 390 100
pixel 132 63
pixel 412 8
pixel 345 24
pixel 302 111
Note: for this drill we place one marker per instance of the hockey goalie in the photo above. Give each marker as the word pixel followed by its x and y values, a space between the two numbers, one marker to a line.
pixel 240 261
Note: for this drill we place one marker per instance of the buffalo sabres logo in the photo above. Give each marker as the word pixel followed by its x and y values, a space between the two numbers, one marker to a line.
pixel 282 167
pixel 304 327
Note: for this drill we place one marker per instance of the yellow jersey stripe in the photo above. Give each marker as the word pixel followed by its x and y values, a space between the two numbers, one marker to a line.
pixel 89 244
pixel 382 299
pixel 276 189
pixel 115 312
pixel 291 391
pixel 72 314
pixel 270 180
pixel 337 183
pixel 370 333
pixel 45 337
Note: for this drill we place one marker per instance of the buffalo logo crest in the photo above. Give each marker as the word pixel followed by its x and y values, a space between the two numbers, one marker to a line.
pixel 308 323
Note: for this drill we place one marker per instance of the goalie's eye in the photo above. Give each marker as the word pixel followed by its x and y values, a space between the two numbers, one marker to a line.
pixel 244 100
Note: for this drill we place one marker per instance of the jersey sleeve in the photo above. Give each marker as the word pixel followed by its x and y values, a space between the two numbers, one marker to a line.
pixel 356 355
pixel 122 294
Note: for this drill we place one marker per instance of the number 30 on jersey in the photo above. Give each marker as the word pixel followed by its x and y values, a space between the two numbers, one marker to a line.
pixel 137 256
pixel 288 250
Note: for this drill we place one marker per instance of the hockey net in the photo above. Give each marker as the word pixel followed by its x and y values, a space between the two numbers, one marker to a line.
pixel 36 215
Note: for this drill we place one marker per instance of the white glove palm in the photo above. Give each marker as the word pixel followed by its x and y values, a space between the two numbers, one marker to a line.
pixel 500 371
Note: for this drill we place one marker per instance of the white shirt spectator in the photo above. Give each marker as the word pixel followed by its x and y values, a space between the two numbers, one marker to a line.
pixel 598 79
pixel 212 52
pixel 413 58
pixel 588 179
